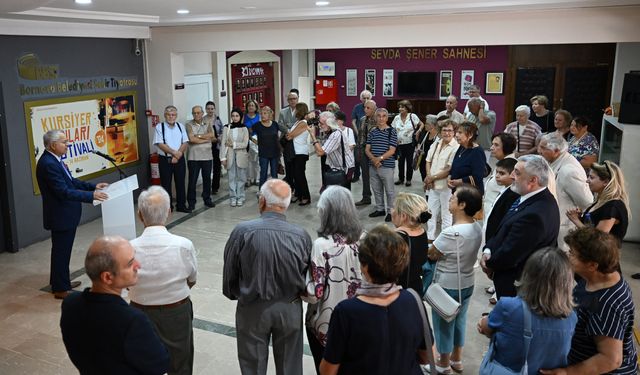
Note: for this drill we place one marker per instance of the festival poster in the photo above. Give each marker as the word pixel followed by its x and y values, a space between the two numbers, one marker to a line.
pixel 446 82
pixel 466 80
pixel 99 122
pixel 370 81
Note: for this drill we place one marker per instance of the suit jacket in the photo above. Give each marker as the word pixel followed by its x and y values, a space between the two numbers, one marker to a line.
pixel 61 195
pixel 498 212
pixel 571 190
pixel 104 335
pixel 286 119
pixel 532 226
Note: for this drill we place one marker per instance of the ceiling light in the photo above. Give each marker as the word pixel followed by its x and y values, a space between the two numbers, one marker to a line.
pixel 322 3
pixel 83 2
pixel 248 8
pixel 183 11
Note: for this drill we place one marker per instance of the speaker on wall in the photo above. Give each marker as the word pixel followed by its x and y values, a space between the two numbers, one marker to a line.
pixel 630 101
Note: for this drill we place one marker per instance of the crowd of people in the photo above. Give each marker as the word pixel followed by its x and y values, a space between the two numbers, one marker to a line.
pixel 523 202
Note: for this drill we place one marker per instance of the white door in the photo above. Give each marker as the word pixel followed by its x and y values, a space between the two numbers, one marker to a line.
pixel 199 89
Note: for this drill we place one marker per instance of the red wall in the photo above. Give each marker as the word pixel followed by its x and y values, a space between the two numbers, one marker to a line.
pixel 481 59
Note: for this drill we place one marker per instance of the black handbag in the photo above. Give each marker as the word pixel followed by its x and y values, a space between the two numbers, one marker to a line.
pixel 338 176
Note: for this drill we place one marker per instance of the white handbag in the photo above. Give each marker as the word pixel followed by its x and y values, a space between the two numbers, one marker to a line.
pixel 439 300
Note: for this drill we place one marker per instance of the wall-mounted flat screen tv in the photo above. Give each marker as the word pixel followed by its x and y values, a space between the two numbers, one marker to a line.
pixel 417 84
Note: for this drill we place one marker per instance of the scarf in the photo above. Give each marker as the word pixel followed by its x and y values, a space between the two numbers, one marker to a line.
pixel 376 290
pixel 236 125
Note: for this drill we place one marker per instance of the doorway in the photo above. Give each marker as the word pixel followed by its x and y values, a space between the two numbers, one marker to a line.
pixel 7 224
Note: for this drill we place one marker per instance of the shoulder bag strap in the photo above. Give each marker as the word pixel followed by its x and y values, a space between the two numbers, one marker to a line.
pixel 458 262
pixel 528 335
pixel 344 160
pixel 425 328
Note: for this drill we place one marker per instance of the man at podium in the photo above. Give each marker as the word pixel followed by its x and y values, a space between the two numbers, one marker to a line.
pixel 61 208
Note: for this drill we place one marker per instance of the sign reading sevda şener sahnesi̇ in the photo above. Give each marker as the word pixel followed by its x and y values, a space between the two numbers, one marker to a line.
pixel 98 122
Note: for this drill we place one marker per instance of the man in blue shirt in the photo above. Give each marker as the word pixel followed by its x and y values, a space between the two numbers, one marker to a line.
pixel 380 150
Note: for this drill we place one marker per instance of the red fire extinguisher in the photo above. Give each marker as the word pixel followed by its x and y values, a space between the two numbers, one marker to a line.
pixel 154 161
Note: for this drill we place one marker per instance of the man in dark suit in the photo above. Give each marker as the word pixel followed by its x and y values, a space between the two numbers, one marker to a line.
pixel 286 120
pixel 101 332
pixel 533 222
pixel 61 208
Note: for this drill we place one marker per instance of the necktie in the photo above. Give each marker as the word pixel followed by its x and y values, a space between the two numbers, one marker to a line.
pixel 66 169
pixel 514 206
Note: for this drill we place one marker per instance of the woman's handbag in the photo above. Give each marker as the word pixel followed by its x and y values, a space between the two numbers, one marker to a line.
pixel 490 366
pixel 419 154
pixel 439 300
pixel 336 176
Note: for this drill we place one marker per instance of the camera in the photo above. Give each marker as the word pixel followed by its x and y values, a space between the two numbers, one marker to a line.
pixel 136 47
pixel 137 51
pixel 315 121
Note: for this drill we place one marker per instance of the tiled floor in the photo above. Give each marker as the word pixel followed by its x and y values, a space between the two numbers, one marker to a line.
pixel 30 341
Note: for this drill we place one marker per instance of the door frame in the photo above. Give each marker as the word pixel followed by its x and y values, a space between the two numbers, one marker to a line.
pixel 6 200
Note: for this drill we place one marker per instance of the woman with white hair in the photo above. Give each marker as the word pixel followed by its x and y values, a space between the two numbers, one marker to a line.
pixel 335 147
pixel 525 131
pixel 334 273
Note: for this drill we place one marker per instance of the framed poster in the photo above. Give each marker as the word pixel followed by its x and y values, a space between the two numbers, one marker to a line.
pixel 494 85
pixel 370 81
pixel 104 122
pixel 387 82
pixel 446 83
pixel 466 80
pixel 352 82
pixel 326 69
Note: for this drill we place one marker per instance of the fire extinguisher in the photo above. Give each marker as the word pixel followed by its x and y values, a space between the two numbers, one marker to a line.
pixel 154 161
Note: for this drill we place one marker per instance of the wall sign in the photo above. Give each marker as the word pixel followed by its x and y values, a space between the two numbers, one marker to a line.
pixel 370 81
pixel 494 83
pixel 387 82
pixel 446 84
pixel 466 80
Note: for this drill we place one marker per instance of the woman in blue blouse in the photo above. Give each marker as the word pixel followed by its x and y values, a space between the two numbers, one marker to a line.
pixel 468 165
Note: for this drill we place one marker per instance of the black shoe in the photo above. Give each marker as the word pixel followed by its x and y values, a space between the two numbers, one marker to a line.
pixel 209 203
pixel 214 191
pixel 387 218
pixel 355 179
pixel 363 202
pixel 408 183
pixel 377 213
pixel 186 210
pixel 191 207
pixel 636 276
pixel 399 182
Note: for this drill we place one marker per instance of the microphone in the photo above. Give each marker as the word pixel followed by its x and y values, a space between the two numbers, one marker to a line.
pixel 104 155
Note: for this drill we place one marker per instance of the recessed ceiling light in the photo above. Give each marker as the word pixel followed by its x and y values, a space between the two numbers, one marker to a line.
pixel 248 8
pixel 83 1
pixel 322 3
pixel 183 11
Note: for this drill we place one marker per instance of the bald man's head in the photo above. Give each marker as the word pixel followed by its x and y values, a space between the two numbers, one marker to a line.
pixel 275 195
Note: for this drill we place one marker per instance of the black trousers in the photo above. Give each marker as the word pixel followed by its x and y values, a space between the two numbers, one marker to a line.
pixel 317 350
pixel 405 161
pixel 178 172
pixel 300 177
pixel 195 167
pixel 289 176
pixel 217 171
pixel 61 246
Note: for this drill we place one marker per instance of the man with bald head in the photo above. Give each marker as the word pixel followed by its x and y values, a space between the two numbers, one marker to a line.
pixel 265 263
pixel 169 271
pixel 101 332
pixel 367 122
pixel 450 110
pixel 199 156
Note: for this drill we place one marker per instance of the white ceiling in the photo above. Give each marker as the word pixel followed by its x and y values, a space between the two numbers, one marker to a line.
pixel 163 12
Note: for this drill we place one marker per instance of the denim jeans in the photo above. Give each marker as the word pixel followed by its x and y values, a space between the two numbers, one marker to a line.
pixel 450 334
pixel 268 163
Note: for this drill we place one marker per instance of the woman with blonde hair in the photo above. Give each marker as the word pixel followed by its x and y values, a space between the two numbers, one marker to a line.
pixel 610 211
pixel 409 214
pixel 548 301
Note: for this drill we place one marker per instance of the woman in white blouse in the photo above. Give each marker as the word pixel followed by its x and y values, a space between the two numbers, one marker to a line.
pixel 406 123
pixel 334 273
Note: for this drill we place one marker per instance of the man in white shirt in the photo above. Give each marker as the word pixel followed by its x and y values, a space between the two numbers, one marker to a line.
pixel 167 274
pixel 451 104
pixel 439 159
pixel 172 140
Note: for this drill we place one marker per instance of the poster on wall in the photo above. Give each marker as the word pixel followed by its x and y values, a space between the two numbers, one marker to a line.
pixel 98 122
pixel 387 82
pixel 466 80
pixel 494 83
pixel 370 81
pixel 446 83
pixel 352 82
pixel 252 82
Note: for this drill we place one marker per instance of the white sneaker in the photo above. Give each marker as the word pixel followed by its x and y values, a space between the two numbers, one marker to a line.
pixel 426 369
pixel 240 202
pixel 232 202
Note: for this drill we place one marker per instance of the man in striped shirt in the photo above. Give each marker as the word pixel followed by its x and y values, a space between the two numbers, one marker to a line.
pixel 380 150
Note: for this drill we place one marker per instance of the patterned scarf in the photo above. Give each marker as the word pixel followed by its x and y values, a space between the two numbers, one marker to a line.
pixel 376 290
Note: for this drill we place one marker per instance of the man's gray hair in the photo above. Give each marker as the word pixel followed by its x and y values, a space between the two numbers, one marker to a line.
pixel 330 119
pixel 375 106
pixel 555 142
pixel 536 165
pixel 338 214
pixel 523 108
pixel 473 88
pixel 431 119
pixel 382 110
pixel 474 100
pixel 100 258
pixel 452 97
pixel 170 108
pixel 270 198
pixel 153 205
pixel 52 136
pixel 364 93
